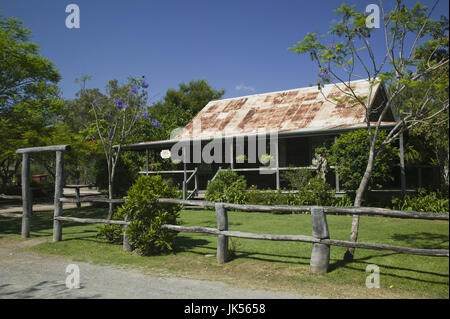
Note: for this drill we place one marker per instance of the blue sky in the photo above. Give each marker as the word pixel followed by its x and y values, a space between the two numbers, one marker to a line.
pixel 240 46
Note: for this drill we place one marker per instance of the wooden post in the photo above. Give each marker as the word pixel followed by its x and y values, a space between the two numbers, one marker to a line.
pixel 222 241
pixel 196 179
pixel 59 183
pixel 402 164
pixel 184 182
pixel 126 242
pixel 184 173
pixel 26 195
pixel 277 163
pixel 77 196
pixel 320 256
pixel 231 155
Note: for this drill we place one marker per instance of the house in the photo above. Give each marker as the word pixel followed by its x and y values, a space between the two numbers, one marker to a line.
pixel 287 125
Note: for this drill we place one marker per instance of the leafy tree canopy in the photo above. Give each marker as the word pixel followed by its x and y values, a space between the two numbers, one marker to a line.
pixel 180 106
pixel 29 96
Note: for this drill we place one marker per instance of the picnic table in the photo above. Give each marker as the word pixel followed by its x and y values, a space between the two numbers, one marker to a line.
pixel 77 190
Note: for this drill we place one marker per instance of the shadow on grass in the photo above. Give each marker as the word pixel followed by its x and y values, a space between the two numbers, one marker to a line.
pixel 184 243
pixel 298 260
pixel 239 254
pixel 423 240
pixel 41 224
pixel 358 264
pixel 338 264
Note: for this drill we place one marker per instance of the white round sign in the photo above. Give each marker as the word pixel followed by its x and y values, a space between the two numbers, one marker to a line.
pixel 165 154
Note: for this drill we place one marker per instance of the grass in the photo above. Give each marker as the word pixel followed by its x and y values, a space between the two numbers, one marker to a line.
pixel 264 264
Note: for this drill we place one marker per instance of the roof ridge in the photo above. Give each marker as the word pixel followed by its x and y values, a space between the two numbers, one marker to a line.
pixel 273 92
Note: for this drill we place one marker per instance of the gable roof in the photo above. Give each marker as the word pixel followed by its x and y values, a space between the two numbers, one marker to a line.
pixel 284 111
pixel 299 111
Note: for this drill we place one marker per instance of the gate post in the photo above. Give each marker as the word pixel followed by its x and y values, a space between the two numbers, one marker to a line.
pixel 59 184
pixel 320 256
pixel 26 195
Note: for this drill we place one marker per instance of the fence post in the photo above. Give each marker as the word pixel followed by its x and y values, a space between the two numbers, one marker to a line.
pixel 59 184
pixel 77 196
pixel 222 241
pixel 320 256
pixel 196 180
pixel 126 242
pixel 26 195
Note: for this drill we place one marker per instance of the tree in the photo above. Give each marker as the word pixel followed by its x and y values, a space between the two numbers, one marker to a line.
pixel 176 109
pixel 349 155
pixel 403 66
pixel 29 96
pixel 82 153
pixel 431 137
pixel 179 107
pixel 115 113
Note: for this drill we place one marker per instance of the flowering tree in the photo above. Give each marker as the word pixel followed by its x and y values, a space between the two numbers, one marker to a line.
pixel 116 114
pixel 414 59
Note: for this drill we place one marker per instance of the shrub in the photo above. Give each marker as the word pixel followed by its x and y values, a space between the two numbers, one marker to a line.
pixel 124 176
pixel 432 202
pixel 297 178
pixel 350 155
pixel 312 190
pixel 316 192
pixel 146 217
pixel 343 201
pixel 227 187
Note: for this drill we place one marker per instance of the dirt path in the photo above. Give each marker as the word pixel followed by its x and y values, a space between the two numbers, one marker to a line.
pixel 25 274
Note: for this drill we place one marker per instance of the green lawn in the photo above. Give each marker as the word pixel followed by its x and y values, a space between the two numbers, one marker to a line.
pixel 269 264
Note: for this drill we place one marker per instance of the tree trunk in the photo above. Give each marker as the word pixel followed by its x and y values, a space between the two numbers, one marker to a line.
pixel 110 187
pixel 110 196
pixel 350 253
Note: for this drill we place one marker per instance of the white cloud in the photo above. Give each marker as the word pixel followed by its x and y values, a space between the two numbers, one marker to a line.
pixel 242 87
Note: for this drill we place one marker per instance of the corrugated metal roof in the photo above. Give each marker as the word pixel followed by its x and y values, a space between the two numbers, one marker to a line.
pixel 296 111
pixel 284 111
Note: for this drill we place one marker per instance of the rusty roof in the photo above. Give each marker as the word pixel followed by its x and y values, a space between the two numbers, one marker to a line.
pixel 284 111
pixel 299 110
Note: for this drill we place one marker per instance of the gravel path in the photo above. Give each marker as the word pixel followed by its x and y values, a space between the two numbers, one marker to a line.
pixel 26 274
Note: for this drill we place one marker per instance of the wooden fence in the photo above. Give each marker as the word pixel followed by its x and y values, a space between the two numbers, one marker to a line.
pixel 27 202
pixel 320 238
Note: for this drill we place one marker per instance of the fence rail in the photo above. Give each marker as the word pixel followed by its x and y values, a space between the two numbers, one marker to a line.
pixel 91 220
pixel 320 238
pixel 321 241
pixel 92 199
pixel 309 239
pixel 57 231
pixel 13 215
pixel 367 211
